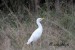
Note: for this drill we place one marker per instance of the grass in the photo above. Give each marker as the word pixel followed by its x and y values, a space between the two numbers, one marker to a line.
pixel 58 32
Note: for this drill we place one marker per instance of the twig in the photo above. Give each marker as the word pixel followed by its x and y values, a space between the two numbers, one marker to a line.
pixel 7 6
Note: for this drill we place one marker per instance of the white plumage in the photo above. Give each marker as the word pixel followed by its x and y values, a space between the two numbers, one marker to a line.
pixel 37 33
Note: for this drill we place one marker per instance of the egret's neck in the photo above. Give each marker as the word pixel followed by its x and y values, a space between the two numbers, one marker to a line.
pixel 39 24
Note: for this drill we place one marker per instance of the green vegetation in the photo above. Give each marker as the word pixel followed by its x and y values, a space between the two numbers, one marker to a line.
pixel 18 21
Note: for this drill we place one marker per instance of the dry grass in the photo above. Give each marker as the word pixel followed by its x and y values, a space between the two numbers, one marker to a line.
pixel 54 37
pixel 14 35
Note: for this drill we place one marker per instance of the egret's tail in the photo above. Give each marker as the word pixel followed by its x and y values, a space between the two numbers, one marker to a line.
pixel 28 42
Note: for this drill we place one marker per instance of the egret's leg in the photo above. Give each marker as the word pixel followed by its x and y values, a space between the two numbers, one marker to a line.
pixel 40 43
pixel 33 45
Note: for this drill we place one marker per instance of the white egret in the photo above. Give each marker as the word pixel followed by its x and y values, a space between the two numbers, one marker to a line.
pixel 37 33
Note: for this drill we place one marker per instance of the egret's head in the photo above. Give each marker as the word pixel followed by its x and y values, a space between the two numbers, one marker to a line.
pixel 40 19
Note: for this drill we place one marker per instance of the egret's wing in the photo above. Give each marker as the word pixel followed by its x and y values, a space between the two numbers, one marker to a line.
pixel 35 35
pixel 32 37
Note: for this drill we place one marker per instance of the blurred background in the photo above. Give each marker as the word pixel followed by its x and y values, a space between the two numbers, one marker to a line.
pixel 18 21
